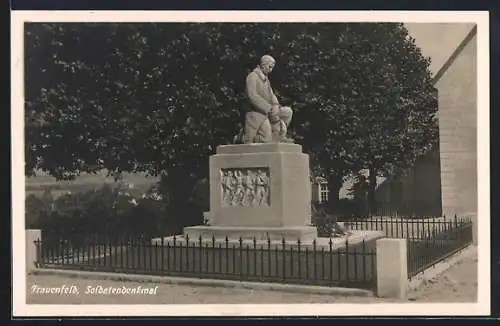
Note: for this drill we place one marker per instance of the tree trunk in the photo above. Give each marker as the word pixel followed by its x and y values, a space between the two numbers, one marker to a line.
pixel 372 185
pixel 177 186
pixel 334 185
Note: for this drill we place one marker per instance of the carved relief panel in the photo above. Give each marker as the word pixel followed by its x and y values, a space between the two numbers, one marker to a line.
pixel 247 187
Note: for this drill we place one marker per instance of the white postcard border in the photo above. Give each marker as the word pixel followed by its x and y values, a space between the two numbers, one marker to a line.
pixel 20 308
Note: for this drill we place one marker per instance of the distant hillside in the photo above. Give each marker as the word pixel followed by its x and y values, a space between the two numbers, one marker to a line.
pixel 36 185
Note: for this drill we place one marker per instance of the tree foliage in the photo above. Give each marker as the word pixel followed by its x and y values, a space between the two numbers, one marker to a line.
pixel 109 211
pixel 159 97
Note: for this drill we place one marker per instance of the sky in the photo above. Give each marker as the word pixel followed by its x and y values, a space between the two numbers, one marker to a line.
pixel 438 40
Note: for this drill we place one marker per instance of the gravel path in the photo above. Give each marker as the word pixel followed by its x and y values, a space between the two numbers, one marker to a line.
pixel 457 284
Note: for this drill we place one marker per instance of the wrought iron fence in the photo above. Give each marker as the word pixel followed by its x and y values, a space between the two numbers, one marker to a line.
pixel 429 240
pixel 402 227
pixel 326 263
pixel 425 252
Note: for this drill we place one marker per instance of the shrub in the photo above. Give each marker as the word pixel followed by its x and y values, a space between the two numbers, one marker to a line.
pixel 34 209
pixel 323 219
pixel 108 211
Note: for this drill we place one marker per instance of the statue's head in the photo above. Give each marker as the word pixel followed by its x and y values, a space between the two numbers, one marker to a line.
pixel 267 64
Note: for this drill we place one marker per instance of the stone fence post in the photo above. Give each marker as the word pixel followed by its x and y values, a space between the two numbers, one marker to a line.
pixel 392 268
pixel 31 248
pixel 473 218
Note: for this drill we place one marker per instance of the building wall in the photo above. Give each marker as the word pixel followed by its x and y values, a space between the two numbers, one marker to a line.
pixel 418 192
pixel 457 96
pixel 317 188
pixel 427 184
pixel 445 180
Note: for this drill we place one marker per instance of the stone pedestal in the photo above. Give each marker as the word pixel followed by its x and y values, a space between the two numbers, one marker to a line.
pixel 259 191
pixel 304 233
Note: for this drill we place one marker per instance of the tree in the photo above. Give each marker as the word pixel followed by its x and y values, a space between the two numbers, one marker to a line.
pixel 146 97
pixel 363 98
pixel 160 97
pixel 395 106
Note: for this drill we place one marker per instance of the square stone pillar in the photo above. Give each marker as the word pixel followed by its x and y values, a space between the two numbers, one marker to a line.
pixel 392 268
pixel 31 248
pixel 473 218
pixel 259 190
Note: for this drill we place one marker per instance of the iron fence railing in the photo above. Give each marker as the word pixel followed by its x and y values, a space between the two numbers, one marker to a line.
pixel 429 240
pixel 326 263
pixel 425 252
pixel 402 227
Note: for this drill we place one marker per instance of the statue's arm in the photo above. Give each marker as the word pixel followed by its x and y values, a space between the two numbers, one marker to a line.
pixel 274 99
pixel 257 101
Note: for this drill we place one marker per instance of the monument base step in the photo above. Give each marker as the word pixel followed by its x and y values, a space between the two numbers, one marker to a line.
pixel 353 238
pixel 304 233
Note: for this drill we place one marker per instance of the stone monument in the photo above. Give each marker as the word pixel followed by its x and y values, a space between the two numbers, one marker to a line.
pixel 260 189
